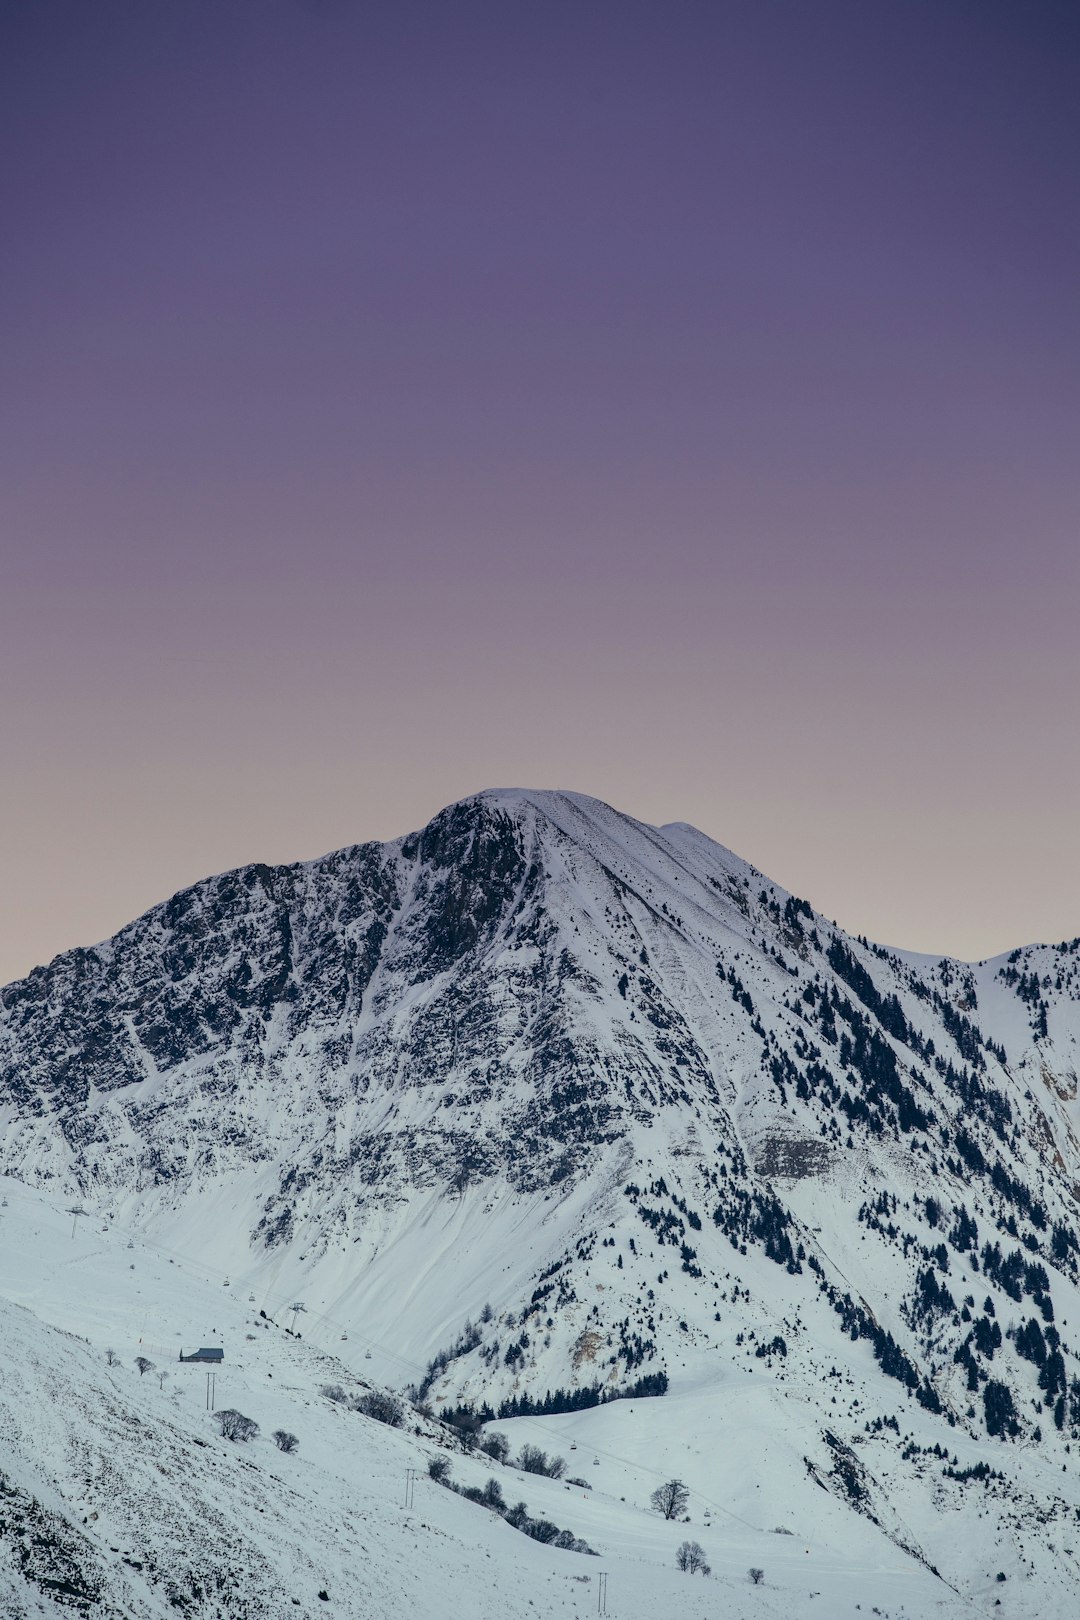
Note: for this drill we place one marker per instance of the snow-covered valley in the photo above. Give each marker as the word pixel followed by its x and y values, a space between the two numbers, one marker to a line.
pixel 120 1497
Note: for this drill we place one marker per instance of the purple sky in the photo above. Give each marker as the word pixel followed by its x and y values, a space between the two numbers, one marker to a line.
pixel 673 401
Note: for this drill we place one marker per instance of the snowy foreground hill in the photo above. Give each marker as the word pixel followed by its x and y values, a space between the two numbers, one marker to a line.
pixel 119 1497
pixel 580 1132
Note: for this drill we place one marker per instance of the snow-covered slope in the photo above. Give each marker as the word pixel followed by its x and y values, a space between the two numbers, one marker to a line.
pixel 542 1101
pixel 119 1497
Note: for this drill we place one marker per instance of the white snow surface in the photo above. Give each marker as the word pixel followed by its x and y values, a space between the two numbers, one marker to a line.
pixel 141 1504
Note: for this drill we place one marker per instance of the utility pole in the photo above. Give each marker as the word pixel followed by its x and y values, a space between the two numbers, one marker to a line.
pixel 410 1486
pixel 211 1390
pixel 75 1212
pixel 601 1593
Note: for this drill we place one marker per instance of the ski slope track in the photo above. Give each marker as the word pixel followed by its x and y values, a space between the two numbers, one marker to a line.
pixel 573 1130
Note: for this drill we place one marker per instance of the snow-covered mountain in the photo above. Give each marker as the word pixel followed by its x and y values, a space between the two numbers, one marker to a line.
pixel 542 1106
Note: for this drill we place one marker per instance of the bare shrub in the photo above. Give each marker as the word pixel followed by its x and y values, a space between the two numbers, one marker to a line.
pixel 531 1460
pixel 691 1558
pixel 383 1407
pixel 284 1440
pixel 439 1470
pixel 234 1425
pixel 541 1530
pixel 756 1576
pixel 376 1403
pixel 143 1365
pixel 495 1446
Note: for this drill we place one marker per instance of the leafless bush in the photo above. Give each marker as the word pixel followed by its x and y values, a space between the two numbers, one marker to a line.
pixel 439 1470
pixel 691 1558
pixel 284 1440
pixel 531 1460
pixel 383 1407
pixel 143 1365
pixel 541 1530
pixel 376 1403
pixel 756 1576
pixel 495 1446
pixel 234 1425
pixel 568 1542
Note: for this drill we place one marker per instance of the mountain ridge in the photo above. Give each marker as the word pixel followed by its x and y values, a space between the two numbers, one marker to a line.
pixel 508 797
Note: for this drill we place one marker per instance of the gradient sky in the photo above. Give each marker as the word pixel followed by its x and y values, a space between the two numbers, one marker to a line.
pixel 675 401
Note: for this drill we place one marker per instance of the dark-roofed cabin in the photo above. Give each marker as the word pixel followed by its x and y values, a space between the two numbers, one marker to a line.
pixel 204 1355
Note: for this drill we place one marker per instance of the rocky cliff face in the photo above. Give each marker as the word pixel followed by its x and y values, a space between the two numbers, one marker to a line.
pixel 476 995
